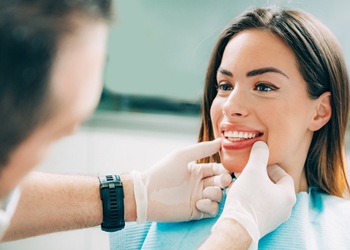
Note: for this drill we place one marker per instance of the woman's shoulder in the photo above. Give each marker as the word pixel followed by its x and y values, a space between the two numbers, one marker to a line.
pixel 318 221
pixel 322 201
pixel 328 208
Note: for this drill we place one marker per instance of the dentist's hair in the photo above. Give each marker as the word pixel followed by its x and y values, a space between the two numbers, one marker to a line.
pixel 321 63
pixel 30 33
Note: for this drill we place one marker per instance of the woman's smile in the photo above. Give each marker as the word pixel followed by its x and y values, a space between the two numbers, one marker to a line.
pixel 237 136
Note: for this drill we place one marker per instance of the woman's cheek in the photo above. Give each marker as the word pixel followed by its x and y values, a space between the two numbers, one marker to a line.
pixel 215 115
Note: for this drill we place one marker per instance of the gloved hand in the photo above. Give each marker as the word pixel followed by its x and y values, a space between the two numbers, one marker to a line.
pixel 261 198
pixel 176 190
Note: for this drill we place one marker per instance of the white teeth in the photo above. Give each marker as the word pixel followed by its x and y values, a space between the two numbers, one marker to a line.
pixel 238 136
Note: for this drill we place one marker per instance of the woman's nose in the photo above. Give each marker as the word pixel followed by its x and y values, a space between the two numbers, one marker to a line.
pixel 236 104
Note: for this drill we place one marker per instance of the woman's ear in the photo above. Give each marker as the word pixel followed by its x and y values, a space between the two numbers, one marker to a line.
pixel 323 112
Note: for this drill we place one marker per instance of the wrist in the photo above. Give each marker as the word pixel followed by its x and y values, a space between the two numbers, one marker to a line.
pixel 129 198
pixel 244 216
pixel 112 196
pixel 227 226
pixel 227 234
pixel 140 196
pixel 233 232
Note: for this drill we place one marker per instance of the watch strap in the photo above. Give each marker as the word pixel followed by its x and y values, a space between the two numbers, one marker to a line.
pixel 112 196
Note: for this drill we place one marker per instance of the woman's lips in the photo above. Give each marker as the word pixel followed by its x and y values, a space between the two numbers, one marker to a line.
pixel 234 145
pixel 238 136
pixel 235 136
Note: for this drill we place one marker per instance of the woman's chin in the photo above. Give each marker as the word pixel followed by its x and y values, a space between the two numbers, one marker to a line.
pixel 233 162
pixel 233 168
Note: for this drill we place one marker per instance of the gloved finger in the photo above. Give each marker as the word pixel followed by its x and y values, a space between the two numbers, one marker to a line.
pixel 282 179
pixel 279 176
pixel 208 208
pixel 211 169
pixel 200 150
pixel 258 158
pixel 212 193
pixel 222 180
pixel 275 172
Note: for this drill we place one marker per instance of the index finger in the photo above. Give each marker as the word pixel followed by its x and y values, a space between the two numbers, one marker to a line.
pixel 200 150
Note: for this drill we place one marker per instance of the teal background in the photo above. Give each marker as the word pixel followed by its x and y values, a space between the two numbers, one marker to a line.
pixel 161 48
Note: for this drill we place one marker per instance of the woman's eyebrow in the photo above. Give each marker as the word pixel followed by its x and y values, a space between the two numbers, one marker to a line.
pixel 224 72
pixel 254 72
pixel 265 70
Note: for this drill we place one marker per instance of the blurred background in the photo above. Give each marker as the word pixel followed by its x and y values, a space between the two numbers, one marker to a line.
pixel 157 58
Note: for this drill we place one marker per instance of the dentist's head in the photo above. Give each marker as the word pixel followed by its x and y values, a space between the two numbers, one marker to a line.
pixel 51 59
pixel 279 76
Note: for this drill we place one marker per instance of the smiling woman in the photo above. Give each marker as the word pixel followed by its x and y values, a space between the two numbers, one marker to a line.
pixel 272 82
pixel 266 68
pixel 277 76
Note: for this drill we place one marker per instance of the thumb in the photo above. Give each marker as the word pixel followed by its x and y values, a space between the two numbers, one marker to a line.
pixel 259 156
pixel 200 150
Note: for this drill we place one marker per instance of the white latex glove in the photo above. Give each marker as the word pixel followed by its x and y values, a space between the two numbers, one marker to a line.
pixel 176 190
pixel 261 198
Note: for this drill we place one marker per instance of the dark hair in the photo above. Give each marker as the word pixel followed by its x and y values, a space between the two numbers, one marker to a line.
pixel 30 31
pixel 322 66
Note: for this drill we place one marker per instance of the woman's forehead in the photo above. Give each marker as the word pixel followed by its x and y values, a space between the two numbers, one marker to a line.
pixel 257 49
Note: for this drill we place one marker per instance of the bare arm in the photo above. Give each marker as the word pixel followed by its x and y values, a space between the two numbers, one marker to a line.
pixel 51 203
pixel 228 234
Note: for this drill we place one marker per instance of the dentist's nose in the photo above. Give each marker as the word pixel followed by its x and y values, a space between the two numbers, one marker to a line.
pixel 235 105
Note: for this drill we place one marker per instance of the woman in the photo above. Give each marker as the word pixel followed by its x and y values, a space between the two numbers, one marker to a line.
pixel 279 76
pixel 312 90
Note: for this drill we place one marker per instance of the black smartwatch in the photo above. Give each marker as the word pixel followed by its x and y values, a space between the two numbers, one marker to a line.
pixel 112 196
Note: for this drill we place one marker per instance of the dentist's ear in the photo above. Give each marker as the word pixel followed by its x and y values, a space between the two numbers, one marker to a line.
pixel 323 112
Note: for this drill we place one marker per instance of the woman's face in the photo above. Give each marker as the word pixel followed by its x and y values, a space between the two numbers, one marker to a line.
pixel 262 97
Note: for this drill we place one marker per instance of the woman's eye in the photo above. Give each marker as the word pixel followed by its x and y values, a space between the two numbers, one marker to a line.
pixel 263 87
pixel 224 86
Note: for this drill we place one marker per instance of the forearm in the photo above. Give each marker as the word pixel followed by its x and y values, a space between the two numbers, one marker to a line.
pixel 51 203
pixel 228 234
